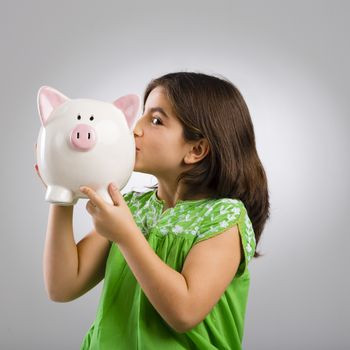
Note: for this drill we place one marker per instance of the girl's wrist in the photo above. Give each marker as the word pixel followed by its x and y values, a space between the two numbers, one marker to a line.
pixel 129 237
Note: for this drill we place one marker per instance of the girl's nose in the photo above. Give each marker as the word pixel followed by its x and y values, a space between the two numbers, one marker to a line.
pixel 138 130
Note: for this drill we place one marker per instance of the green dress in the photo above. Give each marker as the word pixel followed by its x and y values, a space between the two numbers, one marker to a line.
pixel 126 320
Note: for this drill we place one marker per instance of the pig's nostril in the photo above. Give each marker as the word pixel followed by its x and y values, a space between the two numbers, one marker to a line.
pixel 89 136
pixel 78 135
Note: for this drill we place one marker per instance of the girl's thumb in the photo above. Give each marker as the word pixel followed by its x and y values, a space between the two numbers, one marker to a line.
pixel 115 194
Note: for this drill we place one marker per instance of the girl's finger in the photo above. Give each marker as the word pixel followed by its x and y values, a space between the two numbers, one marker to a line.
pixel 38 173
pixel 91 207
pixel 115 194
pixel 93 196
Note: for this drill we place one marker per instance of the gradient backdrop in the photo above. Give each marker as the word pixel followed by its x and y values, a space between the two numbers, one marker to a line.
pixel 290 59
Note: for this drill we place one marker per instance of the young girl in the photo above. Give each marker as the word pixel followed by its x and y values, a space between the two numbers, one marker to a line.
pixel 174 259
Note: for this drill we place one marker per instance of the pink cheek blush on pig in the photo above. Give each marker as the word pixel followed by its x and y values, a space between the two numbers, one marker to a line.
pixel 84 142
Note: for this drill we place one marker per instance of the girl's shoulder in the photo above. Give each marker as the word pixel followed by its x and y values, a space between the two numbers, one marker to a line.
pixel 210 208
pixel 221 214
pixel 223 204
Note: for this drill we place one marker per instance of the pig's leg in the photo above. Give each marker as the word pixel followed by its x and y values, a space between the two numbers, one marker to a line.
pixel 59 195
pixel 105 195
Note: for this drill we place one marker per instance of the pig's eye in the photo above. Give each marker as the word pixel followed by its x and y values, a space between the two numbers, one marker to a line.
pixel 78 117
pixel 92 117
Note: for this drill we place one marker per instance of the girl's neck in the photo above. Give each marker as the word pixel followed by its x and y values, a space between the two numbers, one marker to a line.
pixel 171 194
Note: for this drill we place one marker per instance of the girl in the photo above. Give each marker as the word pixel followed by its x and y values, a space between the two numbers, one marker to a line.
pixel 174 259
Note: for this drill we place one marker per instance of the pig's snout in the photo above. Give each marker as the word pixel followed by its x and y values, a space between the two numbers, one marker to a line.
pixel 83 137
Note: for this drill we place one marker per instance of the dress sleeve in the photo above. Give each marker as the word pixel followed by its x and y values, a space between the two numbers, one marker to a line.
pixel 223 215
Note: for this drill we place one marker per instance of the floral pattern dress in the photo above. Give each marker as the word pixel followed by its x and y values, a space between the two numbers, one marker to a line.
pixel 125 317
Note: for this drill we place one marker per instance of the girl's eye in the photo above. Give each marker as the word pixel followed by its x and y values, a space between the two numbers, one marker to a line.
pixel 156 121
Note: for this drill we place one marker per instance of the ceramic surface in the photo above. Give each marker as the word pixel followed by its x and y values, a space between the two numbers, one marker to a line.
pixel 84 142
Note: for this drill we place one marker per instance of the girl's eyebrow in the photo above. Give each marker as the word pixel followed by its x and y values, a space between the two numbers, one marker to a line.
pixel 160 110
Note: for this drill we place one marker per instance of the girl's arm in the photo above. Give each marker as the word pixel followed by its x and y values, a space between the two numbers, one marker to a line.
pixel 184 299
pixel 71 269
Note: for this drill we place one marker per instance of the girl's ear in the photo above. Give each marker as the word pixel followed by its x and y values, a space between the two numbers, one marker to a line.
pixel 198 151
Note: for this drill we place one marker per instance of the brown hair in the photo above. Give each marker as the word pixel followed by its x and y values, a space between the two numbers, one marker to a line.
pixel 212 108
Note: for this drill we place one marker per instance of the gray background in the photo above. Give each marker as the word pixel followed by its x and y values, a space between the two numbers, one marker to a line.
pixel 290 59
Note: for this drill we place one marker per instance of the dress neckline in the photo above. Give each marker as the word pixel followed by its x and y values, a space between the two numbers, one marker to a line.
pixel 161 202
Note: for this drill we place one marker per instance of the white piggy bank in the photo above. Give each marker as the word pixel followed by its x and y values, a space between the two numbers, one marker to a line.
pixel 84 142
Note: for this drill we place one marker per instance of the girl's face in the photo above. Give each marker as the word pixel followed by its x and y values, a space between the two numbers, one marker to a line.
pixel 160 146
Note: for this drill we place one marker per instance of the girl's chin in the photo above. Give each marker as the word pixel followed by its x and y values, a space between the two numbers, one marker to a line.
pixel 138 169
pixel 142 171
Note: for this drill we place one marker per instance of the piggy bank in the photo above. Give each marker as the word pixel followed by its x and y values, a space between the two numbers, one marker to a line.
pixel 84 142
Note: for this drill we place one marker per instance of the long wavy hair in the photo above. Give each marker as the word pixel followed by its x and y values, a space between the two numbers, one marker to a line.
pixel 213 108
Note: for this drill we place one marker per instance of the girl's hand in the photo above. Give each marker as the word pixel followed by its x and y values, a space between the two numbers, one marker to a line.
pixel 115 222
pixel 37 168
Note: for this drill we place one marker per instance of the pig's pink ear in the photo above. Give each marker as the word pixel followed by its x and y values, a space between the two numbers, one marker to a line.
pixel 48 100
pixel 129 104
